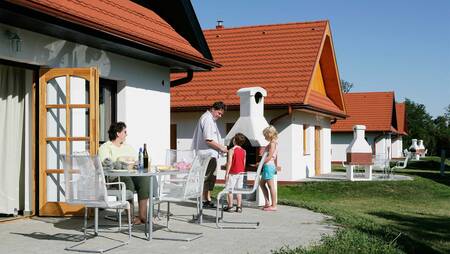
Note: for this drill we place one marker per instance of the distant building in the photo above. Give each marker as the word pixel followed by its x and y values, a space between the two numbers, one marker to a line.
pixel 402 130
pixel 375 110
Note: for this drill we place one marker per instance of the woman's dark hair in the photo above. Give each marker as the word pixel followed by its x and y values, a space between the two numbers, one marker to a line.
pixel 114 129
pixel 218 105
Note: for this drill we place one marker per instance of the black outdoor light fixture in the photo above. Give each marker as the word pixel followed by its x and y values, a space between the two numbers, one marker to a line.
pixel 15 41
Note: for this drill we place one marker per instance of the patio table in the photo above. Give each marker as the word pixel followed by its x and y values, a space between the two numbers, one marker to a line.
pixel 152 173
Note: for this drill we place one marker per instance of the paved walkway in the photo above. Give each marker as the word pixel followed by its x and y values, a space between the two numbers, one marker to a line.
pixel 289 226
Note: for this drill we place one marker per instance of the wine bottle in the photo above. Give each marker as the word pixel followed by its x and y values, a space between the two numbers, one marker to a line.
pixel 140 159
pixel 145 156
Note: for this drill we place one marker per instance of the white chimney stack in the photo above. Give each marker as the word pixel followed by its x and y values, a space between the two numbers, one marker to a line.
pixel 251 120
pixel 414 148
pixel 359 153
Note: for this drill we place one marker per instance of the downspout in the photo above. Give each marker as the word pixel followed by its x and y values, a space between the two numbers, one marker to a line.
pixel 180 81
pixel 276 119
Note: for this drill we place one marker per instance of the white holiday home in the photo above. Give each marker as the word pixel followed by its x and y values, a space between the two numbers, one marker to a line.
pixel 70 68
pixel 375 110
pixel 295 63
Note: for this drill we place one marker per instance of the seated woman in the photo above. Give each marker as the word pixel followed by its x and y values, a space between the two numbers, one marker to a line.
pixel 116 149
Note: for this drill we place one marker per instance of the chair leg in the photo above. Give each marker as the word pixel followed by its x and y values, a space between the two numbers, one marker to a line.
pixel 168 214
pixel 96 221
pixel 237 224
pixel 85 223
pixel 129 224
pixel 200 209
pixel 120 218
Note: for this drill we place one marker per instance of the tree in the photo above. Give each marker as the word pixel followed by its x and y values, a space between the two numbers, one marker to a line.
pixel 447 114
pixel 347 86
pixel 420 125
pixel 434 132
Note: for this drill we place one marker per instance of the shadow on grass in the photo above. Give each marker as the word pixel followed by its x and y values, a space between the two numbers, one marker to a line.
pixel 420 231
pixel 428 168
pixel 427 164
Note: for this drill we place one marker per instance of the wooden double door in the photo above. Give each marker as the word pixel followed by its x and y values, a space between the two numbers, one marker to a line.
pixel 68 123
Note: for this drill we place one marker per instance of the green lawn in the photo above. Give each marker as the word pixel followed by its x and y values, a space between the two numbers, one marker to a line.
pixel 381 217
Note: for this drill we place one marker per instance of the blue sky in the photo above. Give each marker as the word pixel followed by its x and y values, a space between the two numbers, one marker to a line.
pixel 398 45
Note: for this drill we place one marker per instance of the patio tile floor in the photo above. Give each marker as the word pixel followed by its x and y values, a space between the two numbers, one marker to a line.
pixel 289 226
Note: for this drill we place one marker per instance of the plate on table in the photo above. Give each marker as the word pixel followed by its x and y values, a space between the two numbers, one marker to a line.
pixel 164 168
pixel 121 171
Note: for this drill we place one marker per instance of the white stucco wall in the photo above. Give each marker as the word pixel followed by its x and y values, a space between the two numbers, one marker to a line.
pixel 143 101
pixel 295 165
pixel 397 147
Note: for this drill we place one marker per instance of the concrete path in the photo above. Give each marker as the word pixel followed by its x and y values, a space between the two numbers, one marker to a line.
pixel 288 226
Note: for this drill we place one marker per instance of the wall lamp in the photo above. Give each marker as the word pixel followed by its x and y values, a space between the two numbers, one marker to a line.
pixel 15 41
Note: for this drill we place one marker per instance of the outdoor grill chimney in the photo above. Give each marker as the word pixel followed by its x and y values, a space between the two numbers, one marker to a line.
pixel 359 151
pixel 219 24
pixel 359 154
pixel 251 120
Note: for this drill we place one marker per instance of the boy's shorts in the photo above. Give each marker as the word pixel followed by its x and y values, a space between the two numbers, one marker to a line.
pixel 268 171
pixel 235 181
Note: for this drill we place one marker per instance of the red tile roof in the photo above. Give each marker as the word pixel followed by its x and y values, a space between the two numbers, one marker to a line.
pixel 401 118
pixel 372 109
pixel 121 18
pixel 280 58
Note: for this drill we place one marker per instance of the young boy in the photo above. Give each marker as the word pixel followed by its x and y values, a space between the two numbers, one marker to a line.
pixel 235 167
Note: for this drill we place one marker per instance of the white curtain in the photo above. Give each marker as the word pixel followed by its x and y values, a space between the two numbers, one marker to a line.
pixel 12 104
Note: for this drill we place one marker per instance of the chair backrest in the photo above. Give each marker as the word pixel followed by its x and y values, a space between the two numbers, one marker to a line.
pixel 84 179
pixel 180 159
pixel 258 172
pixel 380 161
pixel 196 176
pixel 185 185
pixel 406 152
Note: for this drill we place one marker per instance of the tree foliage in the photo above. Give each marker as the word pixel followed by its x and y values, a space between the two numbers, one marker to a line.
pixel 346 86
pixel 434 132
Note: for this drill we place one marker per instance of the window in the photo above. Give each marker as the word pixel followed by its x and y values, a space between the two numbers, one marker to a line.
pixel 108 107
pixel 305 140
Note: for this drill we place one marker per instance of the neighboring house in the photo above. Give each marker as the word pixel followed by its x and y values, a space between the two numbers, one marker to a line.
pixel 70 68
pixel 375 110
pixel 295 63
pixel 402 130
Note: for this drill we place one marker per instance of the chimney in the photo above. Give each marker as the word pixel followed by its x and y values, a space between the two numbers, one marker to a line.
pixel 251 120
pixel 359 151
pixel 219 24
pixel 414 147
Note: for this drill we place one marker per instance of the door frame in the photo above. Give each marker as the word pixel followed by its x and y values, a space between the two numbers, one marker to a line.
pixel 317 151
pixel 49 208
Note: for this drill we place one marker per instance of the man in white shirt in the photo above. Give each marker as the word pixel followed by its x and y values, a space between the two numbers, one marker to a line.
pixel 206 140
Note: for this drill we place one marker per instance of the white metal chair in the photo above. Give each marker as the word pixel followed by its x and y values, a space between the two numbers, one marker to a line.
pixel 399 165
pixel 182 187
pixel 381 164
pixel 405 152
pixel 220 223
pixel 85 185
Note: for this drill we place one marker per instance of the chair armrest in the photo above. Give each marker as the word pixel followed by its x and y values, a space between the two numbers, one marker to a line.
pixel 122 189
